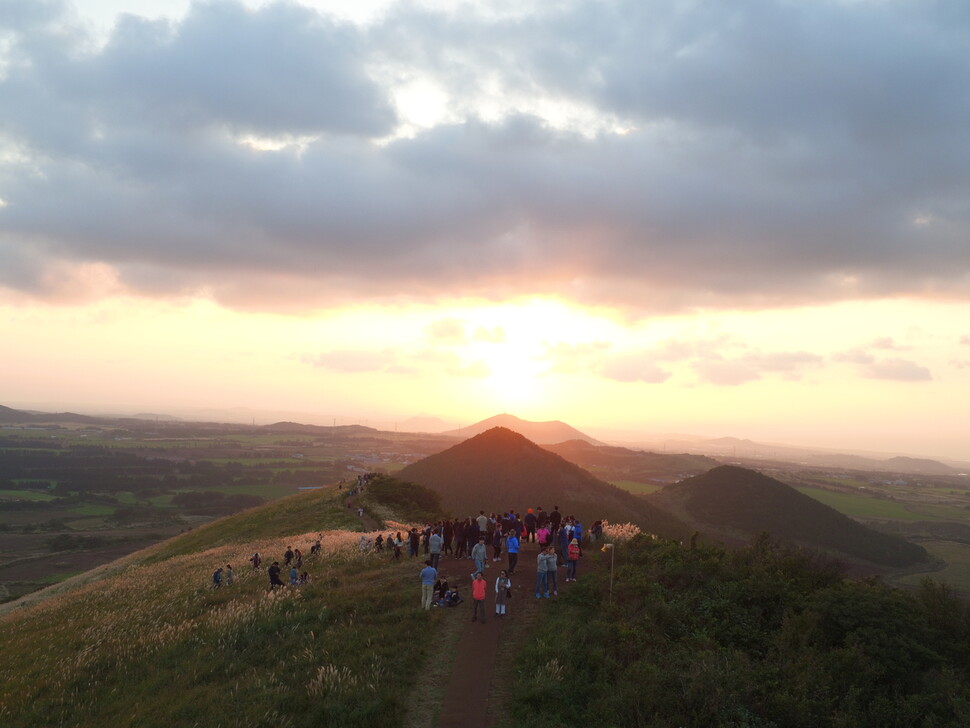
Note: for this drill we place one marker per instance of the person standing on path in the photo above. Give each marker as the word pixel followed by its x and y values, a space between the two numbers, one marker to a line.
pixel 512 546
pixel 480 554
pixel 435 543
pixel 503 590
pixel 572 560
pixel 429 575
pixel 478 596
pixel 542 576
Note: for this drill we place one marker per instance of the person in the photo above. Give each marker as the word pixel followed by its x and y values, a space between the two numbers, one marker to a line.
pixel 429 575
pixel 304 578
pixel 298 555
pixel 530 526
pixel 595 532
pixel 435 543
pixel 217 578
pixel 497 545
pixel 543 536
pixel 379 542
pixel 256 560
pixel 512 547
pixel 398 544
pixel 413 542
pixel 274 576
pixel 563 536
pixel 294 575
pixel 478 596
pixel 479 554
pixel 555 519
pixel 552 573
pixel 578 531
pixel 229 575
pixel 503 590
pixel 288 556
pixel 545 562
pixel 573 559
pixel 482 522
pixel 315 548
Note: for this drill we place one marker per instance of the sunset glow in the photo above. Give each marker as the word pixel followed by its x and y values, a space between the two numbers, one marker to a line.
pixel 656 227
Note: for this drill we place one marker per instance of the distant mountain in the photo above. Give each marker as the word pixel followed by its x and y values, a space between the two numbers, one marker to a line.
pixel 300 429
pixel 621 463
pixel 543 433
pixel 738 503
pixel 13 416
pixel 500 469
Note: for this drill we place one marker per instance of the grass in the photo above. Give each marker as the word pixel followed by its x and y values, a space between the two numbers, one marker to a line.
pixel 152 644
pixel 31 495
pixel 636 487
pixel 957 571
pixel 312 511
pixel 863 506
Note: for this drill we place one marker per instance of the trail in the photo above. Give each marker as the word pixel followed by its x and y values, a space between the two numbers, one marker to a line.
pixel 471 698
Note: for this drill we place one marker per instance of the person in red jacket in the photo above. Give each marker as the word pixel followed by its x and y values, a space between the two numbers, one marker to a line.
pixel 572 559
pixel 478 596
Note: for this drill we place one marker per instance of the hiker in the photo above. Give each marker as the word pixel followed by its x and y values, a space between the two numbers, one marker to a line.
pixel 398 544
pixel 229 575
pixel 497 545
pixel 530 526
pixel 274 576
pixel 545 561
pixel 298 555
pixel 294 576
pixel 563 537
pixel 429 575
pixel 479 554
pixel 256 560
pixel 596 532
pixel 503 592
pixel 478 596
pixel 555 519
pixel 379 542
pixel 572 560
pixel 217 578
pixel 304 578
pixel 434 547
pixel 512 547
pixel 543 536
pixel 288 556
pixel 315 548
pixel 413 542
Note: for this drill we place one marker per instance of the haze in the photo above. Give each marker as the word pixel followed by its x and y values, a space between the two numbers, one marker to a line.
pixel 721 218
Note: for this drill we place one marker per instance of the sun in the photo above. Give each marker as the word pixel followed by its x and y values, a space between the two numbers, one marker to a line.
pixel 514 379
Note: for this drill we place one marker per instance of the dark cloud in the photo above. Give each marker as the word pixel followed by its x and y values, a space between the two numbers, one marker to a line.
pixel 775 153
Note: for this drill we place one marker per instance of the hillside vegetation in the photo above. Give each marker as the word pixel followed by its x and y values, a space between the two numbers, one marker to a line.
pixel 501 469
pixel 761 637
pixel 153 644
pixel 740 503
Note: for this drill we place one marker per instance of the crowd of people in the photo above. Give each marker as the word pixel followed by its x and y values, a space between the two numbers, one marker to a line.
pixel 484 540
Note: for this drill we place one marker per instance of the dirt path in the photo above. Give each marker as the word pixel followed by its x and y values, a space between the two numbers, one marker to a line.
pixel 470 698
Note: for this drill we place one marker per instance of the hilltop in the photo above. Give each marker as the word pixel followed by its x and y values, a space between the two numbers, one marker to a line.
pixel 737 503
pixel 543 433
pixel 501 469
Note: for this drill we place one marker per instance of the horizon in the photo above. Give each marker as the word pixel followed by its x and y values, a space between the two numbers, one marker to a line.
pixel 723 219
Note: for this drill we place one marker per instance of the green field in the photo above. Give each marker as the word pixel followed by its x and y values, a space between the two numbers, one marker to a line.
pixel 30 495
pixel 864 506
pixel 957 571
pixel 637 488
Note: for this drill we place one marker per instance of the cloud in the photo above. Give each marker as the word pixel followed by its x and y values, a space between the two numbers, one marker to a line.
pixel 351 362
pixel 899 370
pixel 643 154
pixel 495 335
pixel 965 340
pixel 447 331
pixel 633 367
pixel 854 356
pixel 725 372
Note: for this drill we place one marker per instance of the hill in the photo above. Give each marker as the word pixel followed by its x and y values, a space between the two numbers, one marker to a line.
pixel 621 463
pixel 501 469
pixel 148 641
pixel 543 433
pixel 733 502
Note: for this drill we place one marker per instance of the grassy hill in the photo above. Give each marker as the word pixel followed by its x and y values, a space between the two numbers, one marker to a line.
pixel 739 503
pixel 501 469
pixel 759 637
pixel 149 642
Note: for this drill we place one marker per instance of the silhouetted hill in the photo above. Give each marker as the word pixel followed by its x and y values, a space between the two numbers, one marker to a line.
pixel 543 433
pixel 736 502
pixel 301 429
pixel 501 469
pixel 621 463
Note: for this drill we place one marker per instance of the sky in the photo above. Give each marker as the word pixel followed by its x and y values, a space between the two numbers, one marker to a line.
pixel 744 218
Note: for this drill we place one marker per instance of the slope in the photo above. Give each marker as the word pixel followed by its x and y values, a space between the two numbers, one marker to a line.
pixel 621 463
pixel 152 643
pixel 501 469
pixel 734 502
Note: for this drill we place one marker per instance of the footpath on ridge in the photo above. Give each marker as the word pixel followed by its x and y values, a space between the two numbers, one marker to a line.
pixel 470 697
